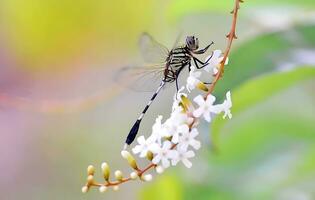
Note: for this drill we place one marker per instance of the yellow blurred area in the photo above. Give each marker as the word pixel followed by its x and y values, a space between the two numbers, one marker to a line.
pixel 44 34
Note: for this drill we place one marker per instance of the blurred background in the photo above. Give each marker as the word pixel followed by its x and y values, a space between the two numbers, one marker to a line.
pixel 60 109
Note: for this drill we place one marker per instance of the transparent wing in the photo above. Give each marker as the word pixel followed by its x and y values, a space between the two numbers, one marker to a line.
pixel 176 43
pixel 151 50
pixel 144 78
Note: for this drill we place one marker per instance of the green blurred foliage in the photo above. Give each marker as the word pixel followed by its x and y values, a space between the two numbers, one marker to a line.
pixel 43 32
pixel 171 187
pixel 180 8
pixel 260 89
pixel 262 55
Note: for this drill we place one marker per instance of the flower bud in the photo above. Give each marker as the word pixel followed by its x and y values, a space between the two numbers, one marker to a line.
pixel 185 103
pixel 149 155
pixel 202 86
pixel 133 175
pixel 105 170
pixel 90 170
pixel 85 189
pixel 159 169
pixel 132 162
pixel 90 179
pixel 102 189
pixel 147 177
pixel 116 188
pixel 118 175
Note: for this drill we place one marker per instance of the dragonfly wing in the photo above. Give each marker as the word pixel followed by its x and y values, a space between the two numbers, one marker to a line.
pixel 176 43
pixel 151 50
pixel 140 79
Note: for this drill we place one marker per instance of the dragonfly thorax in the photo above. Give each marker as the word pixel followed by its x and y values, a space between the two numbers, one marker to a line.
pixel 178 58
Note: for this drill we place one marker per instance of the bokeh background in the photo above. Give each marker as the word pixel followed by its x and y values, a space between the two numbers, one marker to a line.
pixel 60 109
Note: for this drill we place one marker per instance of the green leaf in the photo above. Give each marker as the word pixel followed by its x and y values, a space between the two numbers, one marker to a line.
pixel 258 90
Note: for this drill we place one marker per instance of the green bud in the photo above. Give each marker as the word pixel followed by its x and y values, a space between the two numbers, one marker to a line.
pixel 132 162
pixel 106 171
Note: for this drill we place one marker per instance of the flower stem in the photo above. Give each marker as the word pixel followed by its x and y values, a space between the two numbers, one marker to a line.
pixel 230 36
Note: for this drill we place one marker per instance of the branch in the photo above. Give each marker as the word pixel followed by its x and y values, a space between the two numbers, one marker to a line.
pixel 230 36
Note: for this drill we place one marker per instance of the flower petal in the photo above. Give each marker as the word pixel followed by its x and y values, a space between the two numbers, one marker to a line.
pixel 165 162
pixel 199 100
pixel 217 108
pixel 216 54
pixel 210 100
pixel 172 154
pixel 207 116
pixel 175 138
pixel 137 149
pixel 141 139
pixel 189 154
pixel 194 132
pixel 198 112
pixel 195 144
pixel 156 159
pixel 154 148
pixel 183 146
pixel 143 153
pixel 167 145
pixel 175 161
pixel 187 163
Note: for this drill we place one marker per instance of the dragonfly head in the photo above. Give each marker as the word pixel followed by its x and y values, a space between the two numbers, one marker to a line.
pixel 192 43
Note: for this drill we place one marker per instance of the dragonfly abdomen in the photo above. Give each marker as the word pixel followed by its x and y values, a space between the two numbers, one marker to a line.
pixel 135 128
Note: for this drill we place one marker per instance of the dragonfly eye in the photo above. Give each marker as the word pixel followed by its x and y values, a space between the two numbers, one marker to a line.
pixel 192 42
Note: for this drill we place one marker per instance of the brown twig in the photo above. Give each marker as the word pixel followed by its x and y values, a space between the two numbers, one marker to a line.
pixel 230 36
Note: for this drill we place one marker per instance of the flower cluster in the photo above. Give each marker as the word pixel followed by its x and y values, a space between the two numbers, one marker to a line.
pixel 173 140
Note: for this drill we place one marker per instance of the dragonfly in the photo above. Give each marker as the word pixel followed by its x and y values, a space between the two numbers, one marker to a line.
pixel 174 61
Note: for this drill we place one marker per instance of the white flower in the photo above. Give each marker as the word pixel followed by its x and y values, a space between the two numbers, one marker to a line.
pixel 192 80
pixel 163 154
pixel 171 125
pixel 188 139
pixel 180 117
pixel 180 130
pixel 157 129
pixel 175 125
pixel 144 145
pixel 183 155
pixel 226 106
pixel 214 61
pixel 206 107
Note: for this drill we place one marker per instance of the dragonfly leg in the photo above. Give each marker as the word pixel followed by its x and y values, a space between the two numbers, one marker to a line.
pixel 209 58
pixel 195 64
pixel 196 60
pixel 177 88
pixel 202 51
